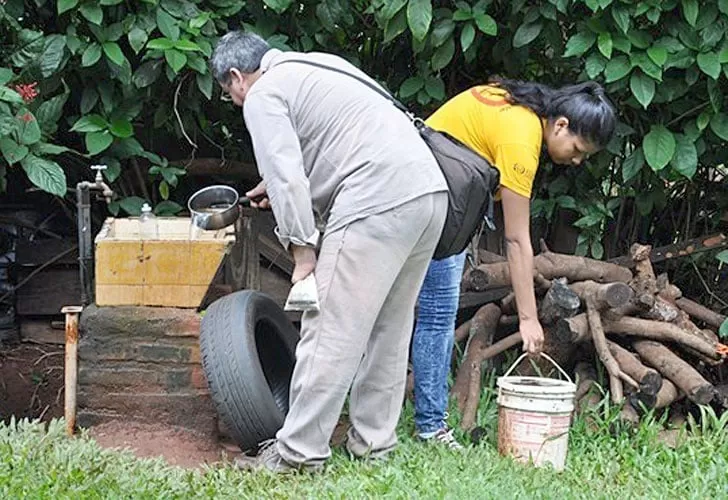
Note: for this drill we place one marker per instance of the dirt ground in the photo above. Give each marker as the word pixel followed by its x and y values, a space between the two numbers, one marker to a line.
pixel 31 386
pixel 31 381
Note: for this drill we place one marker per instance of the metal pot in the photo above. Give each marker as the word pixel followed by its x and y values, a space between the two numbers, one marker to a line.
pixel 214 207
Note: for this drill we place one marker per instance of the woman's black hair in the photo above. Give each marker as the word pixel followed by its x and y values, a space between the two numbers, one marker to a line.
pixel 590 113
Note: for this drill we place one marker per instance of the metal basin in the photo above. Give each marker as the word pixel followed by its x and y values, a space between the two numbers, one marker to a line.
pixel 214 207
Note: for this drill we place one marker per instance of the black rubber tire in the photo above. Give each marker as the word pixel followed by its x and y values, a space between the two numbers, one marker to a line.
pixel 248 347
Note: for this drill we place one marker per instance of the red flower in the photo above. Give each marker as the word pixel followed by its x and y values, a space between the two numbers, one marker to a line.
pixel 27 90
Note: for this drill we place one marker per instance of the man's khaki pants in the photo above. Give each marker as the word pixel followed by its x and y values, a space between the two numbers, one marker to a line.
pixel 369 274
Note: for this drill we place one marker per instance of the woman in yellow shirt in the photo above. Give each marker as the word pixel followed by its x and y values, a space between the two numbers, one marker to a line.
pixel 509 123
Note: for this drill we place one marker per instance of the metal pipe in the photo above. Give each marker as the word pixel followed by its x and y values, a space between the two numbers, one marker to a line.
pixel 85 243
pixel 71 366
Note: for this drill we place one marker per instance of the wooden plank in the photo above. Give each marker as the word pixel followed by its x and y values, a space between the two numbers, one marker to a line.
pixel 274 252
pixel 48 291
pixel 38 252
pixel 477 299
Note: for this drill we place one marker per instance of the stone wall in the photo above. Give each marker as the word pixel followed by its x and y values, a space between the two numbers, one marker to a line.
pixel 143 363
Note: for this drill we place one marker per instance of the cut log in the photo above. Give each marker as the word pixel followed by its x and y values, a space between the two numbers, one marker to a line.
pixel 486 257
pixel 476 280
pixel 662 310
pixel 559 302
pixel 467 384
pixel 462 332
pixel 644 282
pixel 616 375
pixel 586 379
pixel 482 329
pixel 657 330
pixel 680 373
pixel 553 265
pixel 576 330
pixel 649 380
pixel 606 295
pixel 668 394
pixel 701 313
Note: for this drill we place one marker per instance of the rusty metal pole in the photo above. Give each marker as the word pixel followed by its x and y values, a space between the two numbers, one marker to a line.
pixel 71 366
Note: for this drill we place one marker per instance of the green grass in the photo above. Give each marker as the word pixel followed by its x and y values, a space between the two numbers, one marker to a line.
pixel 38 461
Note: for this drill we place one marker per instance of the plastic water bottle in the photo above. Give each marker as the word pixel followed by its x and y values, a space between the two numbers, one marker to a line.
pixel 148 228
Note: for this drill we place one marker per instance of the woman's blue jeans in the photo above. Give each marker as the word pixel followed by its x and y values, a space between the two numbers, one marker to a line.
pixel 433 341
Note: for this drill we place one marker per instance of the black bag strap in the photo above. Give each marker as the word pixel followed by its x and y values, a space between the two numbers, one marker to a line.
pixel 376 88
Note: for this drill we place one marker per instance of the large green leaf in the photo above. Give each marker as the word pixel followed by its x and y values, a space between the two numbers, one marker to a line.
pixel 205 84
pixel 580 43
pixel 52 55
pixel 96 142
pixel 7 124
pixel 66 5
pixel 278 5
pixel 617 68
pixel 175 59
pixel 167 25
pixel 486 24
pixel 92 12
pixel 90 123
pixel 91 55
pixel 27 127
pixel 121 128
pixel 167 208
pixel 160 44
pixel 395 26
pixel 133 205
pixel 659 146
pixel 9 95
pixel 723 6
pixel 45 174
pixel 605 44
pixel 50 112
pixel 709 64
pixel 594 65
pixel 685 160
pixel 526 33
pixel 411 86
pixel 186 45
pixel 30 46
pixel 6 74
pixel 643 88
pixel 443 55
pixel 467 36
pixel 137 38
pixel 419 17
pixel 658 55
pixel 719 125
pixel 633 164
pixel 114 53
pixel 620 15
pixel 45 148
pixel 690 10
pixel 12 151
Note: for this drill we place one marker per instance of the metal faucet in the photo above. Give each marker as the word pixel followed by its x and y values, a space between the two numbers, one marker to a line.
pixel 98 183
pixel 85 245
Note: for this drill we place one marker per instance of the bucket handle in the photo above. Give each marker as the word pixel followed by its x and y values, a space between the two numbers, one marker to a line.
pixel 543 355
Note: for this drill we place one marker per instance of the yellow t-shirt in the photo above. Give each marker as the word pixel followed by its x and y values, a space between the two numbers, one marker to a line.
pixel 508 136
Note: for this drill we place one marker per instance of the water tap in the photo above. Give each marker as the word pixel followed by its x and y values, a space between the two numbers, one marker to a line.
pixel 99 183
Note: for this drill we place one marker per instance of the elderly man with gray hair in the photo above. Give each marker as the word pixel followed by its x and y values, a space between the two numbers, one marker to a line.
pixel 359 201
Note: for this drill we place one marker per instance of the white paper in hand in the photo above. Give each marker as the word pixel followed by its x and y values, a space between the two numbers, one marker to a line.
pixel 303 296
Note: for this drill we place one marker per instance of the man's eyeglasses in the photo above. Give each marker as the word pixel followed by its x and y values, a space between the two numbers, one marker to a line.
pixel 225 97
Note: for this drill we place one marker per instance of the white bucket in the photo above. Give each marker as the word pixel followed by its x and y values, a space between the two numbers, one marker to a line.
pixel 534 416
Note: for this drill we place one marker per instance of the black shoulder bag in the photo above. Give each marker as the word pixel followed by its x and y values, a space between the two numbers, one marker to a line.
pixel 472 181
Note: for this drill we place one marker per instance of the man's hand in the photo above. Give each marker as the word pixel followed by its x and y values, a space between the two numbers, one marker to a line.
pixel 305 259
pixel 259 197
pixel 532 334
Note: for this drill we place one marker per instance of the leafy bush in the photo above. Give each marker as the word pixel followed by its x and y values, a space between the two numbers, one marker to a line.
pixel 127 84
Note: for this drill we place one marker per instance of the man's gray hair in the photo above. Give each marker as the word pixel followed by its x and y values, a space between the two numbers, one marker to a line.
pixel 240 50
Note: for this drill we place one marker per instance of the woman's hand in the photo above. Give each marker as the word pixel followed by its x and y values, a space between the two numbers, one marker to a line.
pixel 532 334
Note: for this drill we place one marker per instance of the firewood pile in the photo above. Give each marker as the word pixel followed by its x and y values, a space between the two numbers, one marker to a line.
pixel 656 346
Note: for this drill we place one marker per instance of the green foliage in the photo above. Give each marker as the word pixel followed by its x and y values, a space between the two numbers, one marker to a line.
pixel 118 80
pixel 603 462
